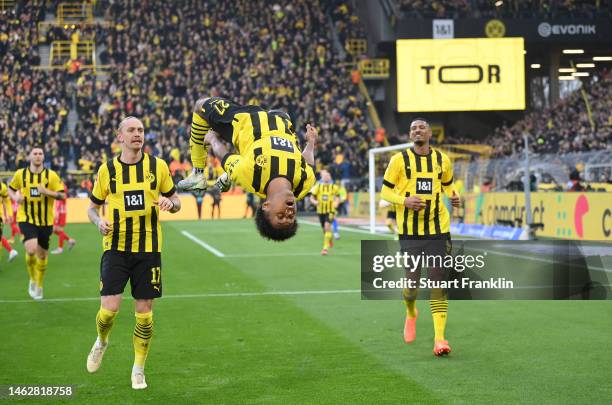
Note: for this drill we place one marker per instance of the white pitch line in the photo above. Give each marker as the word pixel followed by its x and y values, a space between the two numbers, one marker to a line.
pixel 347 229
pixel 203 244
pixel 246 255
pixel 204 295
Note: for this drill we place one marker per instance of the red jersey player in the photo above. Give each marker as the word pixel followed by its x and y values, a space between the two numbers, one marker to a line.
pixel 58 225
pixel 14 226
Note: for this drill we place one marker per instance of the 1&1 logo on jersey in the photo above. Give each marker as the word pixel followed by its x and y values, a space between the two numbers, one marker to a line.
pixel 133 200
pixel 424 185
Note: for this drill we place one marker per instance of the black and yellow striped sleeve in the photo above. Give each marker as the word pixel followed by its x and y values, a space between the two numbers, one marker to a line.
pixel 391 179
pixel 308 183
pixel 15 183
pixel 100 189
pixel 447 171
pixel 55 183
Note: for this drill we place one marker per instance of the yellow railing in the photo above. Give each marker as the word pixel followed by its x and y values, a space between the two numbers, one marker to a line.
pixel 7 4
pixel 45 26
pixel 94 68
pixel 374 68
pixel 356 46
pixel 69 12
pixel 371 109
pixel 62 51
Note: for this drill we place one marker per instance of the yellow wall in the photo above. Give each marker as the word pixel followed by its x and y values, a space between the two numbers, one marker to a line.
pixel 232 206
pixel 581 216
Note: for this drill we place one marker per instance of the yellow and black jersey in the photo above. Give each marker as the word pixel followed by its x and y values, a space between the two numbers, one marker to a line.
pixel 425 176
pixel 6 202
pixel 325 194
pixel 36 209
pixel 266 146
pixel 130 190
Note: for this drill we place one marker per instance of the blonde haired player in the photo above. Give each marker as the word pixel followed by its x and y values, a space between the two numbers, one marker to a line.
pixel 136 186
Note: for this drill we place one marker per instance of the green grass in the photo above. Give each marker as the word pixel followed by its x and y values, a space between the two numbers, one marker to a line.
pixel 215 346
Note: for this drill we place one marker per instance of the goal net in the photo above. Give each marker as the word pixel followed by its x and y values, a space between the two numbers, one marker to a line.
pixel 378 159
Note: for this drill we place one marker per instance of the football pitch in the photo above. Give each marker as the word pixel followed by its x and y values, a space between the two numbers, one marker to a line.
pixel 249 321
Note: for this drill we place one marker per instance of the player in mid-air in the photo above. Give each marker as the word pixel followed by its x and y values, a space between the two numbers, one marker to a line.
pixel 35 188
pixel 6 215
pixel 59 224
pixel 267 162
pixel 136 187
pixel 325 195
pixel 415 180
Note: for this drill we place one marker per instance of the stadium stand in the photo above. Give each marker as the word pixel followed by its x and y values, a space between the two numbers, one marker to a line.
pixel 34 104
pixel 291 63
pixel 564 127
pixel 176 54
pixel 506 9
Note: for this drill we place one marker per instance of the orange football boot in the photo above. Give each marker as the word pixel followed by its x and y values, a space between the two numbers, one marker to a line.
pixel 441 348
pixel 410 328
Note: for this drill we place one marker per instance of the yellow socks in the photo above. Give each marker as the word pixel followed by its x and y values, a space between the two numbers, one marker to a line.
pixel 143 331
pixel 104 323
pixel 197 148
pixel 439 311
pixel 39 270
pixel 30 263
pixel 327 238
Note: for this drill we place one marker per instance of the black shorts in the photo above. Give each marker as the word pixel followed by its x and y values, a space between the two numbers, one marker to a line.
pixel 391 214
pixel 432 245
pixel 323 218
pixel 143 270
pixel 31 231
pixel 440 244
pixel 219 112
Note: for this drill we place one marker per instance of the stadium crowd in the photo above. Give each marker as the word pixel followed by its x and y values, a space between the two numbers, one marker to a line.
pixel 564 127
pixel 34 104
pixel 507 8
pixel 273 54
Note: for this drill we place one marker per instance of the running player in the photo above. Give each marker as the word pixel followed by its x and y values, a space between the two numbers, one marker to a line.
pixel 325 196
pixel 59 224
pixel 6 215
pixel 136 186
pixel 415 180
pixel 35 188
